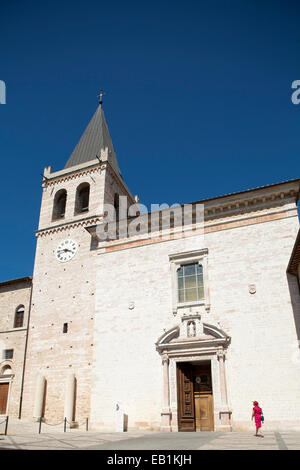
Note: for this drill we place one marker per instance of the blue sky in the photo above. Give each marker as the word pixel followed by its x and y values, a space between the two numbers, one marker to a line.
pixel 198 99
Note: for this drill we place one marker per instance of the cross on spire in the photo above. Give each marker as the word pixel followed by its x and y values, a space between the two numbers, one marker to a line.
pixel 100 96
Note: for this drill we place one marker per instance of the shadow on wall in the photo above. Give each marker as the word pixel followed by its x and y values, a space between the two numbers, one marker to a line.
pixel 44 400
pixel 295 300
pixel 75 400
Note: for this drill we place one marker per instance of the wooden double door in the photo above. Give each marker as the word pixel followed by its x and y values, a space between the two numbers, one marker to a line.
pixel 4 388
pixel 195 397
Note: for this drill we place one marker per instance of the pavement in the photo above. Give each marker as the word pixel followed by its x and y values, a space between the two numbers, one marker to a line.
pixel 24 435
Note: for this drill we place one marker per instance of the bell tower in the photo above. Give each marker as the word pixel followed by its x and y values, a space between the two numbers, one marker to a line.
pixel 90 179
pixel 60 341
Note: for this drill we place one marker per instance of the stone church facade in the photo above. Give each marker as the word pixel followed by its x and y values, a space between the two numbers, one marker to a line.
pixel 178 328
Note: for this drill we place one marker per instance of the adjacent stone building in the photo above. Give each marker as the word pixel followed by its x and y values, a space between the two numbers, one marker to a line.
pixel 178 326
pixel 15 300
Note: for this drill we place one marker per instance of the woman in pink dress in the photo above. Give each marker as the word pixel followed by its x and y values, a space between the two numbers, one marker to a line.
pixel 256 414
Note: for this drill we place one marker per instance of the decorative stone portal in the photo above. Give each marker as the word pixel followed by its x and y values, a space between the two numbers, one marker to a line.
pixel 6 380
pixel 186 350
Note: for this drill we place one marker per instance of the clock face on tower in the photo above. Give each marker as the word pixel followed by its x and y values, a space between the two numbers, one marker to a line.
pixel 66 250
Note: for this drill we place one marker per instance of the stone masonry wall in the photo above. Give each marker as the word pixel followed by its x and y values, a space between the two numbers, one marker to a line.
pixel 259 364
pixel 11 297
pixel 62 293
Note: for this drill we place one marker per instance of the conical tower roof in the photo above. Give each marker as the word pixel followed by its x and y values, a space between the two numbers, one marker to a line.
pixel 95 137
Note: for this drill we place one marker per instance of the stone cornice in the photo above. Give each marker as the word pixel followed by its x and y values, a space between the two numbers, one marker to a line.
pixel 188 254
pixel 257 192
pixel 14 330
pixel 254 202
pixel 197 346
pixel 259 212
pixel 60 177
pixel 214 222
pixel 128 243
pixel 69 225
pixel 72 174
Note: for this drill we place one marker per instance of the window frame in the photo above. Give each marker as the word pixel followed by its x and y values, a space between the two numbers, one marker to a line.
pixel 185 279
pixel 177 261
pixel 4 357
pixel 18 310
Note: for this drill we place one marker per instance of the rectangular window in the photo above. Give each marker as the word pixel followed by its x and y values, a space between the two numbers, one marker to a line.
pixel 7 354
pixel 19 318
pixel 190 283
pixel 65 328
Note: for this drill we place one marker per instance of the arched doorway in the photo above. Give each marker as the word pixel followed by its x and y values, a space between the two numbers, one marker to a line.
pixel 6 377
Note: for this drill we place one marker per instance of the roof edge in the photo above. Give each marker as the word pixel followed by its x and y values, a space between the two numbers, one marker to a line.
pixel 249 190
pixel 16 281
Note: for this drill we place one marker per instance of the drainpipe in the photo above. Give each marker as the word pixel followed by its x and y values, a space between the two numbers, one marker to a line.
pixel 25 351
